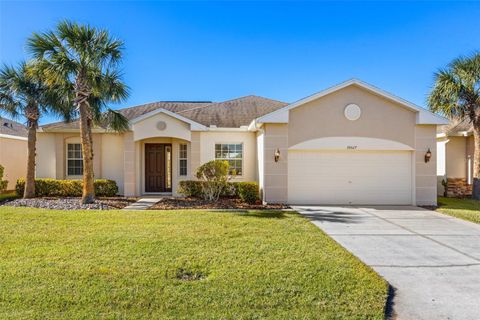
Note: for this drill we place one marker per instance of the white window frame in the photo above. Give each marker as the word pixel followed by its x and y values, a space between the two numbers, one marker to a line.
pixel 180 158
pixel 242 158
pixel 68 158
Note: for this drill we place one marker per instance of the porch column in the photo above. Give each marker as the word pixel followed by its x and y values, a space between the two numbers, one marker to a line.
pixel 129 164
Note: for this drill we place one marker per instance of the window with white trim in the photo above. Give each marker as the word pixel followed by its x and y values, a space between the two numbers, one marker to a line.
pixel 182 157
pixel 233 153
pixel 74 159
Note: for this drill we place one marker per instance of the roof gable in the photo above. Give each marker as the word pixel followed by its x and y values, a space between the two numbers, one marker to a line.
pixel 423 116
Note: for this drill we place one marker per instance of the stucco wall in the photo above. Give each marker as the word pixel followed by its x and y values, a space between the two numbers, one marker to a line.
pixel 13 157
pixel 112 154
pixel 46 156
pixel 248 139
pixel 148 128
pixel 107 156
pixel 261 162
pixel 455 161
pixel 325 117
pixel 276 173
pixel 425 173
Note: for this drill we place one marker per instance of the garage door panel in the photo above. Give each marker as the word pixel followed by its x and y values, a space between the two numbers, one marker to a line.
pixel 321 177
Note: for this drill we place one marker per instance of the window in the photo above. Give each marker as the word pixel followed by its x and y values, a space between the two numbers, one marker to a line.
pixel 183 159
pixel 74 159
pixel 233 153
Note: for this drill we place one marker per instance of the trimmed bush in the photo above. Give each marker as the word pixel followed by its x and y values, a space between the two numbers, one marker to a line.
pixel 248 191
pixel 68 188
pixel 190 188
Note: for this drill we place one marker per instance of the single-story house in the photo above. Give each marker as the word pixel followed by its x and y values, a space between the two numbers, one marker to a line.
pixel 455 147
pixel 13 151
pixel 350 144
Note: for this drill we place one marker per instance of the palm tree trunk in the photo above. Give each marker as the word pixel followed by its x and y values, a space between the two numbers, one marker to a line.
pixel 86 123
pixel 88 192
pixel 32 115
pixel 476 161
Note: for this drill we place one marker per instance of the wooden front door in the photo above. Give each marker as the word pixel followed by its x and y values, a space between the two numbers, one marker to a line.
pixel 158 167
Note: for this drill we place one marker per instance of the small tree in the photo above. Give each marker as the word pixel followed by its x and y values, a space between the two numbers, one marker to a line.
pixel 215 177
pixel 3 183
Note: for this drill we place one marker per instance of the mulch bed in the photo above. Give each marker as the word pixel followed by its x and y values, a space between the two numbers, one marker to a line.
pixel 106 203
pixel 222 203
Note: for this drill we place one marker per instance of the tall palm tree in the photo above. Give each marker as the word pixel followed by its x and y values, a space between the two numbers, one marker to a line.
pixel 83 61
pixel 22 92
pixel 456 94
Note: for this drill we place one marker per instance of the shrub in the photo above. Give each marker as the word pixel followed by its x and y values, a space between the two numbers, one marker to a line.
pixel 105 188
pixel 68 188
pixel 214 175
pixel 190 188
pixel 3 183
pixel 248 191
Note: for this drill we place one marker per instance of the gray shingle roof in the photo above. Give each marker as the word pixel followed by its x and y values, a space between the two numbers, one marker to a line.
pixel 12 128
pixel 228 114
pixel 456 126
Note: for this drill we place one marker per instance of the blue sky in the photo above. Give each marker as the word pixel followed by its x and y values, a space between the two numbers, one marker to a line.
pixel 281 50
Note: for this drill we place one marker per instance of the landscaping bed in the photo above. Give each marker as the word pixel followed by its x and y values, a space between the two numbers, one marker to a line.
pixel 71 203
pixel 222 203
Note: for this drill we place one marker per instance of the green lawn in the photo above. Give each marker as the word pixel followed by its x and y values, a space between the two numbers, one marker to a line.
pixel 466 209
pixel 178 265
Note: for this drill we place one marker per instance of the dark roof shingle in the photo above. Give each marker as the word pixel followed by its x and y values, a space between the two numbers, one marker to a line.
pixel 228 114
pixel 456 126
pixel 12 128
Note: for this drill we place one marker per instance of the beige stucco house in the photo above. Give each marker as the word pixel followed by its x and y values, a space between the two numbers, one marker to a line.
pixel 13 151
pixel 350 144
pixel 455 147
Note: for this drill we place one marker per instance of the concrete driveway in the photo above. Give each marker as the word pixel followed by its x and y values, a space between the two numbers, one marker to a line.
pixel 431 260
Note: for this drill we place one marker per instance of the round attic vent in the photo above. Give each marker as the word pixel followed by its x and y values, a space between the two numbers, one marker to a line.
pixel 161 125
pixel 352 112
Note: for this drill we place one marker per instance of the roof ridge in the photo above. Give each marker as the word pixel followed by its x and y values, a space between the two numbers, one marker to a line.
pixel 247 96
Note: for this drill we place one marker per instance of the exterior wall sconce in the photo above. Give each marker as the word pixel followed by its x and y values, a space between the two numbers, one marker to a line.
pixel 428 155
pixel 276 155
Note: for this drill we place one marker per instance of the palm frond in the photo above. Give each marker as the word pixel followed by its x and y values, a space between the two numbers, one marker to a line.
pixel 114 120
pixel 456 89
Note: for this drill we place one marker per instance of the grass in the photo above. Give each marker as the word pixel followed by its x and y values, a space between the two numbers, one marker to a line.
pixel 178 265
pixel 467 209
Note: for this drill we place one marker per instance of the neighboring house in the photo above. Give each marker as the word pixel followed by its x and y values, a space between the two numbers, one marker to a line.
pixel 350 144
pixel 13 151
pixel 455 147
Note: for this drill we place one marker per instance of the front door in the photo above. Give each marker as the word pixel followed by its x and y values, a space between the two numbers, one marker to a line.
pixel 158 159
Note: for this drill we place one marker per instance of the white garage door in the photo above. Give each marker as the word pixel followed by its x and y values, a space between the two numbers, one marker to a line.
pixel 350 177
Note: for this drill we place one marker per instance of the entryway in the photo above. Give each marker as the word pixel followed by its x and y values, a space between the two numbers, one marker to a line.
pixel 158 167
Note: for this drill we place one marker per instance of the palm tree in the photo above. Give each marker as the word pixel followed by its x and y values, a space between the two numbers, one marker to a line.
pixel 83 62
pixel 22 92
pixel 456 94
